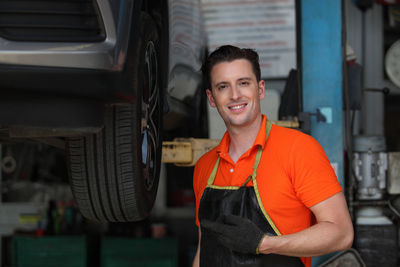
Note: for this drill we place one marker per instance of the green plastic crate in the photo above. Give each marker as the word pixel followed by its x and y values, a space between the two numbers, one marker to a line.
pixel 125 252
pixel 60 251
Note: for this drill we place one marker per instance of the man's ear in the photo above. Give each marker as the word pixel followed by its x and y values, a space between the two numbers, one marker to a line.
pixel 210 98
pixel 261 89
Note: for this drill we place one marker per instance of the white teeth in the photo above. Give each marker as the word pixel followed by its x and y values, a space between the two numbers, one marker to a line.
pixel 237 107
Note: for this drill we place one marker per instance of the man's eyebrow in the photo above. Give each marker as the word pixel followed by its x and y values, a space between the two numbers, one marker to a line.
pixel 225 82
pixel 220 83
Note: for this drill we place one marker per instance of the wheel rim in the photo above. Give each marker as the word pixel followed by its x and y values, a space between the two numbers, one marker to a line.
pixel 150 135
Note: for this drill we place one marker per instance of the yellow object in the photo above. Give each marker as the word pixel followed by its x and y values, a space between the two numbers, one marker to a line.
pixel 185 152
pixel 29 218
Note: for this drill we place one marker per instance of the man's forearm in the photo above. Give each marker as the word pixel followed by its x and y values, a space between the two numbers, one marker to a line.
pixel 320 239
pixel 196 260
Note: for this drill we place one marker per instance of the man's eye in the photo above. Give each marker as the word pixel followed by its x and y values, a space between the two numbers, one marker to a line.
pixel 244 83
pixel 221 87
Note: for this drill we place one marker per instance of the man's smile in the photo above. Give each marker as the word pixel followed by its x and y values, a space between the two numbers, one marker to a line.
pixel 237 107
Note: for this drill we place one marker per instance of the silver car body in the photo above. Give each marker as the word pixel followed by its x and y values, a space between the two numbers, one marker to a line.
pixel 187 42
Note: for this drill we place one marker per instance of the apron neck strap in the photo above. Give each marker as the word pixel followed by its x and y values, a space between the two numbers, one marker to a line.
pixel 211 178
pixel 268 127
pixel 257 160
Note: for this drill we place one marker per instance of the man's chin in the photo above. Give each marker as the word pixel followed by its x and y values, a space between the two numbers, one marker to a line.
pixel 239 122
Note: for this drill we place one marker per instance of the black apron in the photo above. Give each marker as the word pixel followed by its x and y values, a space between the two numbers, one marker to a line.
pixel 242 201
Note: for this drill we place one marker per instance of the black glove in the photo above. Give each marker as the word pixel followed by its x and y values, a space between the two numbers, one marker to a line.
pixel 237 233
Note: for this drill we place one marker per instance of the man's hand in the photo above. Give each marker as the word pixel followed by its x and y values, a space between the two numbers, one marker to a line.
pixel 237 233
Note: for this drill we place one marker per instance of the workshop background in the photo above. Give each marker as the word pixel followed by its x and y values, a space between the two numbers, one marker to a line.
pixel 332 70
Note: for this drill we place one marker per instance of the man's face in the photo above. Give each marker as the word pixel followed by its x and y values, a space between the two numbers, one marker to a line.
pixel 235 92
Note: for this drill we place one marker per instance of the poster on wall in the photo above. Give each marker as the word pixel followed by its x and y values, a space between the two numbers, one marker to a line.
pixel 268 26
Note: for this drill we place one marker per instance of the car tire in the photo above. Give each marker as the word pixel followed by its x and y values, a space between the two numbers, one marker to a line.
pixel 114 174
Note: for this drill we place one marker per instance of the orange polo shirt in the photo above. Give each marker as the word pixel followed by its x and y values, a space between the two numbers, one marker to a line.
pixel 294 174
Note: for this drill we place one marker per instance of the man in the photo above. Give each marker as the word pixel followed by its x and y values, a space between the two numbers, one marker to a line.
pixel 266 195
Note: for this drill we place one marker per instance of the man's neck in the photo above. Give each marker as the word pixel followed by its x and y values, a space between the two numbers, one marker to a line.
pixel 242 139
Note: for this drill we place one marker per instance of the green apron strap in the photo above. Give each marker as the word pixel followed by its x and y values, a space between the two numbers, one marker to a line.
pixel 254 175
pixel 247 180
pixel 268 127
pixel 211 178
pixel 256 162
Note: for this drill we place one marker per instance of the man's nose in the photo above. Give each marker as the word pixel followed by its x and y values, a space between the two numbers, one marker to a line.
pixel 235 92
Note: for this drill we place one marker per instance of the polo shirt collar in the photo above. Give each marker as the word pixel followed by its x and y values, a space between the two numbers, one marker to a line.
pixel 223 147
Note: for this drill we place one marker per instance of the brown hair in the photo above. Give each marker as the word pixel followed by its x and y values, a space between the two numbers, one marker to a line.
pixel 229 53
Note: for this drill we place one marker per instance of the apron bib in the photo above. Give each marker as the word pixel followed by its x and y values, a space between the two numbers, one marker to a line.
pixel 242 201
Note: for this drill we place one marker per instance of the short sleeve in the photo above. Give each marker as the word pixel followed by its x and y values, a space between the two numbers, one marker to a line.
pixel 311 172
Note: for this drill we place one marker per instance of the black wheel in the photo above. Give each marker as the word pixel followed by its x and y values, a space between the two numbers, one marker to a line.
pixel 114 174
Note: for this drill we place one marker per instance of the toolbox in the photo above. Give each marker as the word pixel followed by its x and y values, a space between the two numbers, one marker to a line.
pixel 124 252
pixel 49 251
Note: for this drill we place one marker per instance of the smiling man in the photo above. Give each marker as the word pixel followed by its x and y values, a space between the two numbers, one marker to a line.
pixel 266 195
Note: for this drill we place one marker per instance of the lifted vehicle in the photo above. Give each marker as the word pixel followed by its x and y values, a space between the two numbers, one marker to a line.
pixel 98 76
